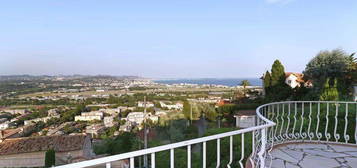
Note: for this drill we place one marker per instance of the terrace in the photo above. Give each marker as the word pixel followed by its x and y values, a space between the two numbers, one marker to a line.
pixel 300 134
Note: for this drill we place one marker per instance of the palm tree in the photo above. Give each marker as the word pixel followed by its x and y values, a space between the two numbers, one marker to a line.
pixel 245 83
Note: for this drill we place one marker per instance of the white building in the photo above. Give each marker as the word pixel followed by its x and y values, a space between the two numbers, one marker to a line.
pixel 109 121
pixel 44 119
pixel 292 79
pixel 15 111
pixel 112 112
pixel 177 106
pixel 4 125
pixel 245 118
pixel 92 113
pixel 138 117
pixel 296 79
pixel 95 129
pixel 52 112
pixel 89 116
pixel 148 104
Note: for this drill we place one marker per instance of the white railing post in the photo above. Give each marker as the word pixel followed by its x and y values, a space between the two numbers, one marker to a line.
pixel 262 151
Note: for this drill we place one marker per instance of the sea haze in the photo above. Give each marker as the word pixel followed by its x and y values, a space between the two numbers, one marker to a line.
pixel 212 81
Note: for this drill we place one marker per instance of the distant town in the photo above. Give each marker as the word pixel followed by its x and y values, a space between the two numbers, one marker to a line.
pixel 93 109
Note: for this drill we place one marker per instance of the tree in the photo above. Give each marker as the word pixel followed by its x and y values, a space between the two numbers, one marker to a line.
pixel 277 73
pixel 352 75
pixel 267 82
pixel 329 93
pixel 275 82
pixel 50 158
pixel 245 83
pixel 187 107
pixel 335 64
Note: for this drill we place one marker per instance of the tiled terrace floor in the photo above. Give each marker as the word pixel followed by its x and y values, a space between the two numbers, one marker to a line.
pixel 313 155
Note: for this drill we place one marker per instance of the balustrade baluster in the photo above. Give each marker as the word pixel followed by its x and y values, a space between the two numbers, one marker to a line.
pixel 172 158
pixel 242 153
pixel 327 134
pixel 335 133
pixel 230 151
pixel 153 160
pixel 346 136
pixel 204 155
pixel 218 153
pixel 132 163
pixel 310 134
pixel 318 134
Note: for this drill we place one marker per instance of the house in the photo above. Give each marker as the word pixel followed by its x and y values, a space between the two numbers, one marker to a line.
pixel 36 120
pixel 138 117
pixel 16 111
pixel 110 111
pixel 89 116
pixel 177 106
pixel 148 104
pixel 296 79
pixel 245 118
pixel 17 132
pixel 52 112
pixel 5 125
pixel 95 129
pixel 223 102
pixel 109 121
pixel 30 151
pixel 127 127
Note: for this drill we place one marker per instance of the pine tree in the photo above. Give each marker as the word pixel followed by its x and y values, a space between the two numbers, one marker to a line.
pixel 277 73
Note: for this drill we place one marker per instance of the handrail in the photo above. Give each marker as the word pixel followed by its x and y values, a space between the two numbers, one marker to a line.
pixel 268 117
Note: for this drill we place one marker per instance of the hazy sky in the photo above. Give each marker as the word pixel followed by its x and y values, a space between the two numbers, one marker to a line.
pixel 170 38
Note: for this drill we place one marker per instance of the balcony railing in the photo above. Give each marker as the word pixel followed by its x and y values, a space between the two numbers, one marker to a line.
pixel 281 122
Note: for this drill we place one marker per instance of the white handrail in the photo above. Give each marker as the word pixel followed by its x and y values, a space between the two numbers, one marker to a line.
pixel 263 135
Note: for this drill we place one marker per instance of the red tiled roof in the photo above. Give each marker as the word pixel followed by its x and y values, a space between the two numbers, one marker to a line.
pixel 60 143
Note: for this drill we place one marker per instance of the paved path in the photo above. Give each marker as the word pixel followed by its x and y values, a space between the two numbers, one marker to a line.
pixel 312 155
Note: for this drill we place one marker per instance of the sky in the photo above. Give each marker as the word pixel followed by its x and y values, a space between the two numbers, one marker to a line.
pixel 170 38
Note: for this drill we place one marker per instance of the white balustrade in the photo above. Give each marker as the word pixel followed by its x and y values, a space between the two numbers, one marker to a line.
pixel 276 123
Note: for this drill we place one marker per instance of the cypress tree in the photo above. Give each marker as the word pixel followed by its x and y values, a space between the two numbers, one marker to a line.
pixel 277 73
pixel 50 158
pixel 267 82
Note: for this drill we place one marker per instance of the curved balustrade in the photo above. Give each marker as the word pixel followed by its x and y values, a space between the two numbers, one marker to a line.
pixel 311 121
pixel 281 122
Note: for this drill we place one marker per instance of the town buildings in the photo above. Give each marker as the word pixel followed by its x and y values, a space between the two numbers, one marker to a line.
pixel 148 104
pixel 95 129
pixel 89 116
pixel 176 106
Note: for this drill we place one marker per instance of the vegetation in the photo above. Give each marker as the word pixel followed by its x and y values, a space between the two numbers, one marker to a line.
pixel 125 142
pixel 50 158
pixel 329 93
pixel 275 82
pixel 335 65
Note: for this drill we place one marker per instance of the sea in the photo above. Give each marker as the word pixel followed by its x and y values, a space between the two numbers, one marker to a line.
pixel 212 81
